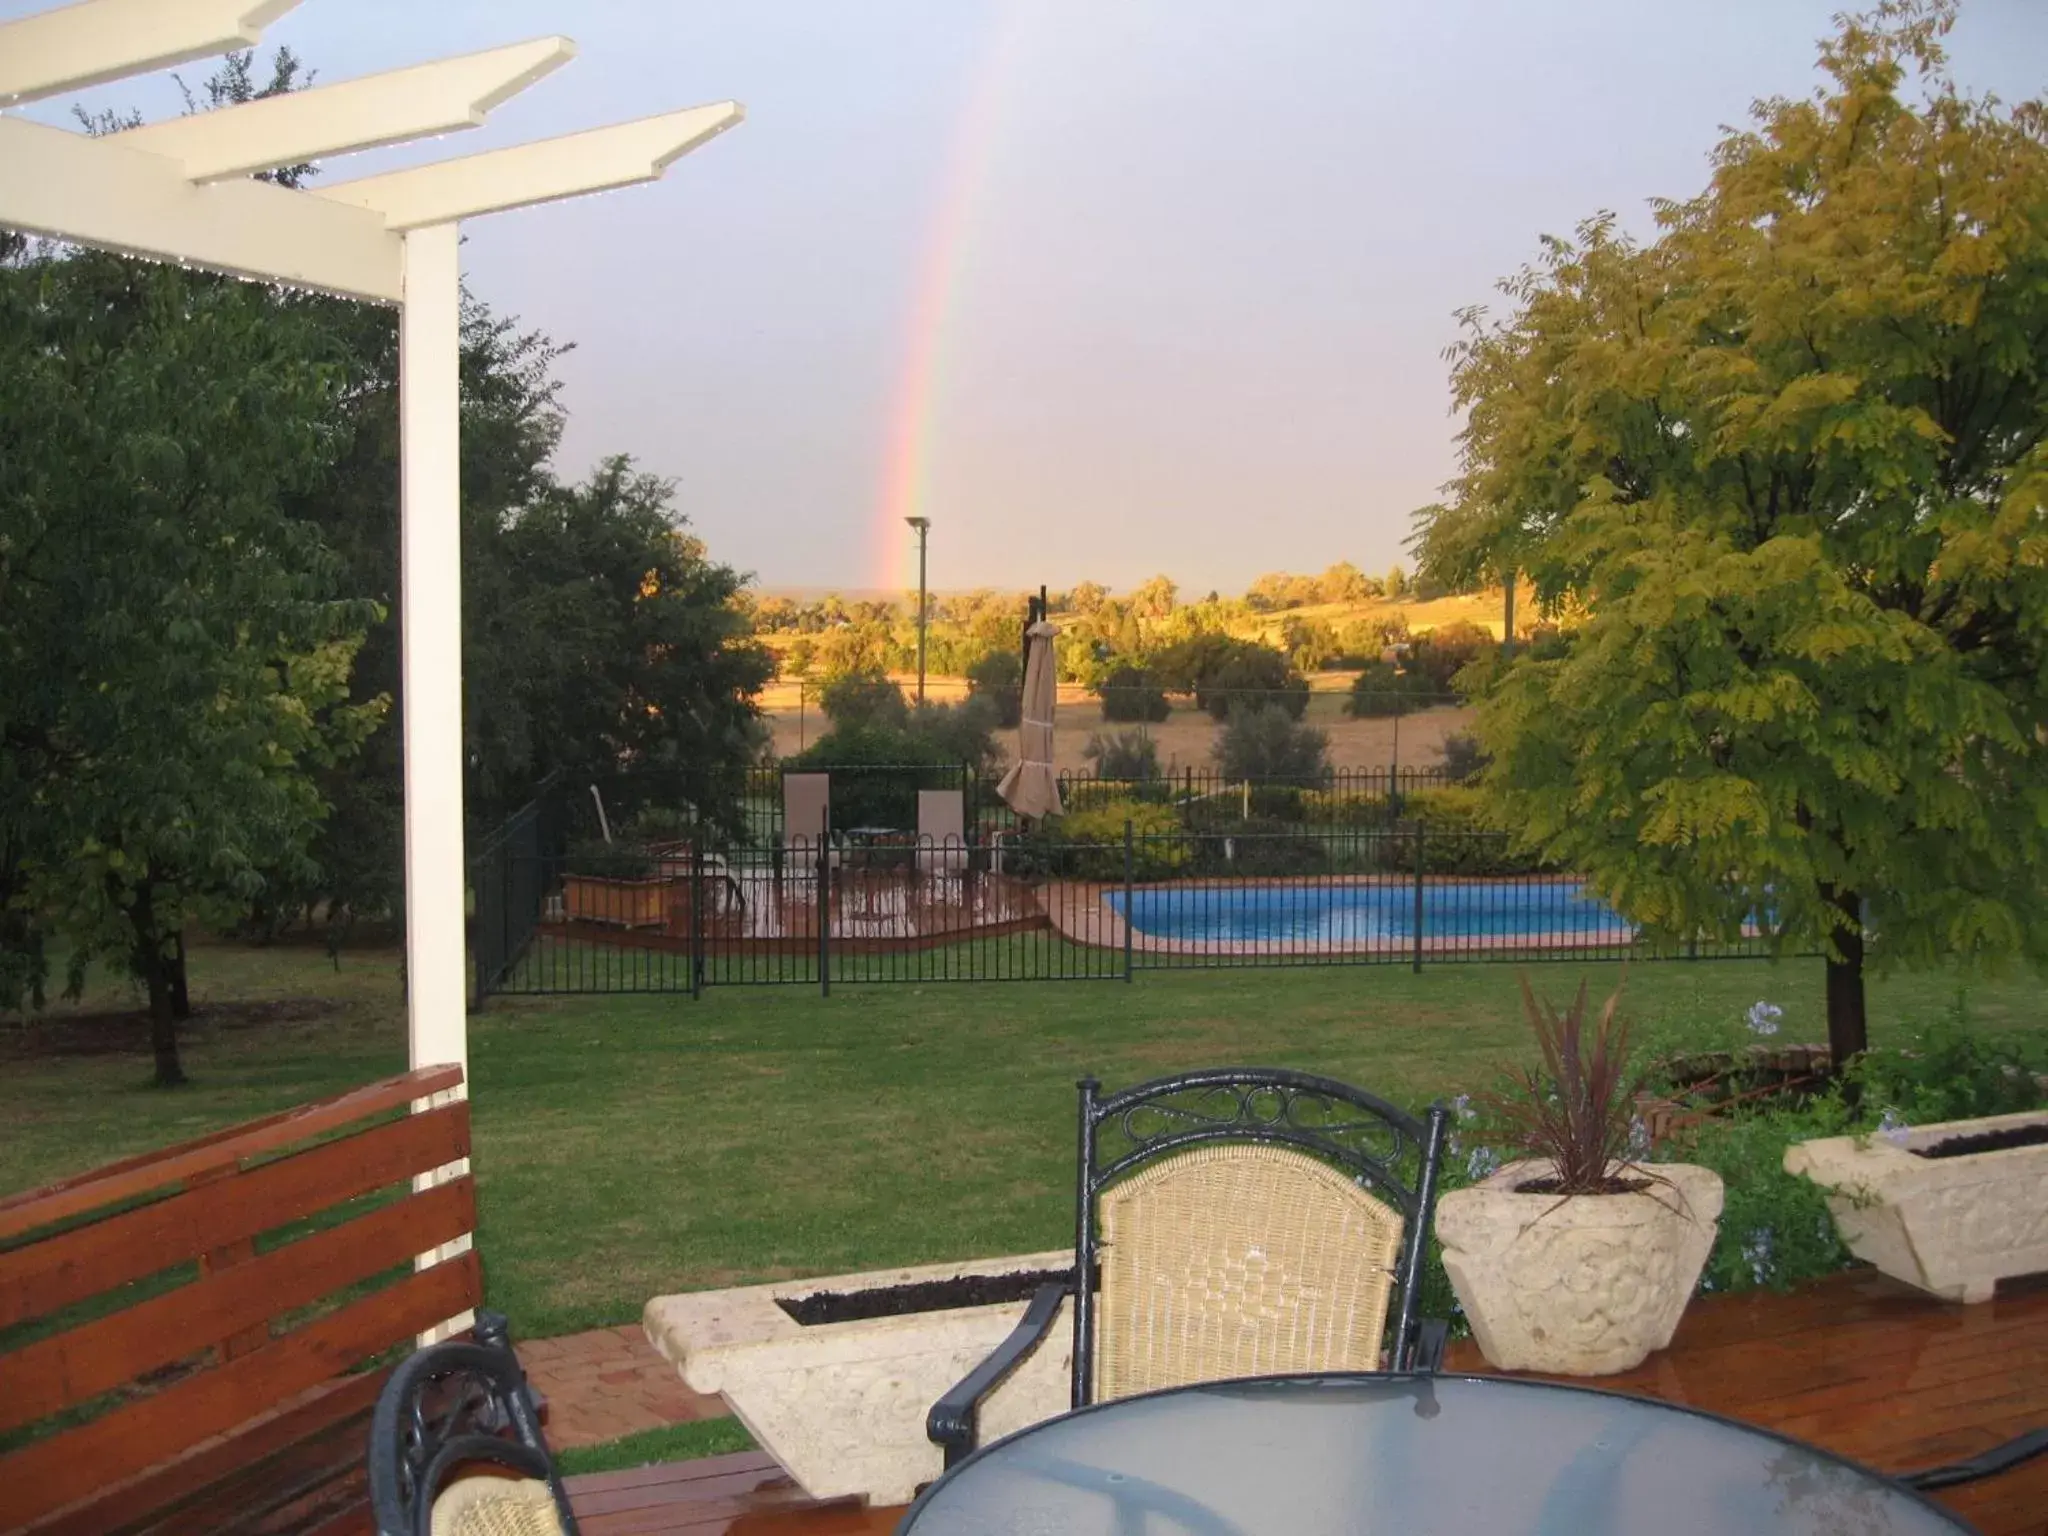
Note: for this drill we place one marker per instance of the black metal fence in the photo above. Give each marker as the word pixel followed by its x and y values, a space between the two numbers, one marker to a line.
pixel 508 888
pixel 884 906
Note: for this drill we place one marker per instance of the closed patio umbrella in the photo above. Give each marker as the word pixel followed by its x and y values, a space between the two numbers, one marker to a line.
pixel 1029 786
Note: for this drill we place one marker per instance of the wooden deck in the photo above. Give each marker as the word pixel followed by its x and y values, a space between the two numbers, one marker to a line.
pixel 1857 1363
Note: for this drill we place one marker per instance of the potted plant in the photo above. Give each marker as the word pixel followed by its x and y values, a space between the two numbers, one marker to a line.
pixel 1575 1259
pixel 1948 1190
pixel 617 884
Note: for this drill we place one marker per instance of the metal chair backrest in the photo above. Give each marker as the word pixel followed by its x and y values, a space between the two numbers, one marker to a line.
pixel 461 1404
pixel 1246 1222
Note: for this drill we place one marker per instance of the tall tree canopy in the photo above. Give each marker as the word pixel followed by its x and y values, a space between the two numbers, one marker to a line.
pixel 1788 457
pixel 175 652
pixel 198 606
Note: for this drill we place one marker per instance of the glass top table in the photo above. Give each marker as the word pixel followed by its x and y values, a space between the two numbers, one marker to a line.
pixel 1418 1456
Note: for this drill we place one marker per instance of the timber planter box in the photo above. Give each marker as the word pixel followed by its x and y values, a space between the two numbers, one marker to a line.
pixel 615 903
pixel 1952 1208
pixel 840 1398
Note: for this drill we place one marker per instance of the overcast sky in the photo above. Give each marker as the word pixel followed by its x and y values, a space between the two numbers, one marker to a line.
pixel 1177 274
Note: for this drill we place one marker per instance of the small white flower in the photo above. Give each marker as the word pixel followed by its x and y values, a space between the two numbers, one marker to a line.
pixel 1463 1105
pixel 1892 1127
pixel 1638 1139
pixel 1763 1018
pixel 1757 1250
pixel 1483 1163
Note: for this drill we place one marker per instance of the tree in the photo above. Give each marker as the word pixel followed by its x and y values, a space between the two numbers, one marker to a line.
pixel 1129 693
pixel 999 677
pixel 1396 585
pixel 603 641
pixel 1789 458
pixel 1123 754
pixel 175 648
pixel 858 699
pixel 1154 599
pixel 1264 741
pixel 1439 655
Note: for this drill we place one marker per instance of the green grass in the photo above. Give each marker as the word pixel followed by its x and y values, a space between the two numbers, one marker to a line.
pixel 632 1145
pixel 672 1442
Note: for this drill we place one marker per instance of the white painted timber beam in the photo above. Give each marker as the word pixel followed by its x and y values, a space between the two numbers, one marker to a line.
pixel 498 179
pixel 95 192
pixel 418 102
pixel 99 40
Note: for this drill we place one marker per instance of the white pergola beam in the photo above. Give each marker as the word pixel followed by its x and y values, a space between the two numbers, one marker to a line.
pixel 97 192
pixel 99 40
pixel 498 179
pixel 418 102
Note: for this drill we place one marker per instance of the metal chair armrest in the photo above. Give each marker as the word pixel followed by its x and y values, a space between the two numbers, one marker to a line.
pixel 2002 1458
pixel 951 1424
pixel 1427 1353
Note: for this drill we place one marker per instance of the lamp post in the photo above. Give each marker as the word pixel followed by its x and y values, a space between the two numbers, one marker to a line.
pixel 923 525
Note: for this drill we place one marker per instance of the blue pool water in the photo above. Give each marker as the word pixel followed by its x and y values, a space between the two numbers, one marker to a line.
pixel 1362 913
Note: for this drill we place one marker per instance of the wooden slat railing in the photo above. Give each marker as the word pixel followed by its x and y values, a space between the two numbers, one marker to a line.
pixel 149 1350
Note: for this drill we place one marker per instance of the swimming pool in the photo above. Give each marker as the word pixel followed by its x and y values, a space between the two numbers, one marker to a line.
pixel 1368 912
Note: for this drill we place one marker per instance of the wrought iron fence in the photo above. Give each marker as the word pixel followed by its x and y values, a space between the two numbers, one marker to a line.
pixel 885 906
pixel 507 878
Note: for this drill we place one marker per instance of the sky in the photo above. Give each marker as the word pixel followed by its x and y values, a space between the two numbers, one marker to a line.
pixel 1104 288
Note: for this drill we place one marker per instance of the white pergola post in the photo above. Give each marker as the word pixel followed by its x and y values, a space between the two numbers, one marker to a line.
pixel 183 190
pixel 430 632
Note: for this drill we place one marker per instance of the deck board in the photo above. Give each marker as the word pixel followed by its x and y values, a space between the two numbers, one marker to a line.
pixel 1872 1370
pixel 1856 1363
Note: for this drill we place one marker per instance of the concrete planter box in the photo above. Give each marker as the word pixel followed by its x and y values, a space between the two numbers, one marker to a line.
pixel 1955 1225
pixel 842 1405
pixel 1580 1286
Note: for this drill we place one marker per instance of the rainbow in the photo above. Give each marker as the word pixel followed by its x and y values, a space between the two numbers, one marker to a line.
pixel 906 488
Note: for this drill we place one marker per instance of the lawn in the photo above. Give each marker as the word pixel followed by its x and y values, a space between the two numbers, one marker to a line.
pixel 631 1145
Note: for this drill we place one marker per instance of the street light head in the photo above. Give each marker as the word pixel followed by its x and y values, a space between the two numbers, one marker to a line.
pixel 919 523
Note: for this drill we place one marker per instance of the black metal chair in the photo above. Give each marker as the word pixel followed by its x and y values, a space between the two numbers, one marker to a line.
pixel 1236 1222
pixel 464 1406
pixel 1991 1463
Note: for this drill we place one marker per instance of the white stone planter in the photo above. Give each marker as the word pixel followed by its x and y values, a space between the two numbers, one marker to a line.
pixel 842 1405
pixel 1583 1286
pixel 1954 1226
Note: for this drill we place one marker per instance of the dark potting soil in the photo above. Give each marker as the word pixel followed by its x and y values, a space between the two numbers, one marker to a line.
pixel 1987 1141
pixel 1610 1187
pixel 924 1296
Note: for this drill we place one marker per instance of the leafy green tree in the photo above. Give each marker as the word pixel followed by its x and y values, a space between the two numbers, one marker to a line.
pixel 1788 459
pixel 1264 741
pixel 175 650
pixel 859 699
pixel 999 677
pixel 1129 693
pixel 1123 754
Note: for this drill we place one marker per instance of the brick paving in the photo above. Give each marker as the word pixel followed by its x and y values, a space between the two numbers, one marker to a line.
pixel 607 1383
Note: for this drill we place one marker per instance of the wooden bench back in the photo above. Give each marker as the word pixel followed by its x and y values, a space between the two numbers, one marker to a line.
pixel 156 1304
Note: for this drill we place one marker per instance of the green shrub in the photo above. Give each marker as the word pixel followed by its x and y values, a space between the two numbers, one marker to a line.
pixel 1129 694
pixel 1093 841
pixel 1270 742
pixel 1260 848
pixel 1436 658
pixel 1251 677
pixel 857 700
pixel 1343 808
pixel 1464 758
pixel 1379 691
pixel 998 677
pixel 1123 755
pixel 599 860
